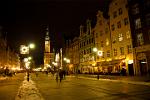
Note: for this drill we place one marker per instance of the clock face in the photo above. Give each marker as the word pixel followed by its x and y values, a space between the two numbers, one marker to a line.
pixel 46 42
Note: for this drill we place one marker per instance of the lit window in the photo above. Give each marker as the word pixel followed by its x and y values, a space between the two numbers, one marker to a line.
pixel 122 50
pixel 140 40
pixel 108 53
pixel 138 23
pixel 115 52
pixel 128 34
pixel 129 49
pixel 107 42
pixel 120 37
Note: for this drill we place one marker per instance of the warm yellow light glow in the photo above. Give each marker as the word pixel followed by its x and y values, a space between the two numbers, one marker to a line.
pixel 25 60
pixel 100 53
pixel 130 61
pixel 31 45
pixel 65 59
pixel 68 60
pixel 95 49
pixel 29 58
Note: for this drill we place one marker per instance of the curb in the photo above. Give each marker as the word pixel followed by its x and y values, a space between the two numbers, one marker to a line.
pixel 122 81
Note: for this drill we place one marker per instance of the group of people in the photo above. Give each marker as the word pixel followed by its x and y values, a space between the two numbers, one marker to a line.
pixel 6 72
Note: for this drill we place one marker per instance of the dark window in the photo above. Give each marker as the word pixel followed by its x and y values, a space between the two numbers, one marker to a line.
pixel 92 40
pixel 103 55
pixel 113 27
pixel 140 40
pixel 120 11
pixel 135 9
pixel 126 21
pixel 102 44
pixel 106 30
pixel 119 24
pixel 148 19
pixel 96 35
pixel 115 14
pixel 100 22
pixel 101 33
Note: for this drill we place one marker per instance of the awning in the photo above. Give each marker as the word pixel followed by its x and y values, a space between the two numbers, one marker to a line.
pixel 109 63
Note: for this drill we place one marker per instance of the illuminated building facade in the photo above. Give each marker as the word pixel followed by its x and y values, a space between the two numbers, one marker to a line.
pixel 86 44
pixel 48 54
pixel 103 43
pixel 122 49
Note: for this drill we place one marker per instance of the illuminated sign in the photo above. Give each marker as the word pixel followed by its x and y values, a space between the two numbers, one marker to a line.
pixel 24 49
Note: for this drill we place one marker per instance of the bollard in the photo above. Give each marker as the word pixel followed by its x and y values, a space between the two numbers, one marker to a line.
pixel 28 76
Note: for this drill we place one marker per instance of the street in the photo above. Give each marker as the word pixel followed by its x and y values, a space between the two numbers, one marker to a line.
pixel 9 86
pixel 73 88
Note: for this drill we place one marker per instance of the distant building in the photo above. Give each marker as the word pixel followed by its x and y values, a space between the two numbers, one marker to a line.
pixel 8 57
pixel 48 54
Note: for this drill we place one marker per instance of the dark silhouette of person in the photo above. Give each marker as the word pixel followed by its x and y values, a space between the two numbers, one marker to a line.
pixel 61 75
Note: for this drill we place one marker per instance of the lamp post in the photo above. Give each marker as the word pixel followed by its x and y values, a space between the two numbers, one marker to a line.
pixel 24 50
pixel 95 50
pixel 99 53
pixel 67 61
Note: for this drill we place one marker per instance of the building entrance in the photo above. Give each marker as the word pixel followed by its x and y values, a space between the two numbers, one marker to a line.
pixel 143 67
pixel 130 68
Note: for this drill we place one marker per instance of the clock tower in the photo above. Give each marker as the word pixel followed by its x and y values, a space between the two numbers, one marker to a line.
pixel 47 52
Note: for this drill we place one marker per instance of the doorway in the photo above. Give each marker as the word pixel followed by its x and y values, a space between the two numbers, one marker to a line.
pixel 131 70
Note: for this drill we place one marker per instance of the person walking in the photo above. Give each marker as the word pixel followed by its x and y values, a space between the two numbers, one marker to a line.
pixel 60 75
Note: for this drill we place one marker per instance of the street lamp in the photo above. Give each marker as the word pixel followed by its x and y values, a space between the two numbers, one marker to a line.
pixel 25 51
pixel 95 49
pixel 99 53
pixel 67 61
pixel 31 45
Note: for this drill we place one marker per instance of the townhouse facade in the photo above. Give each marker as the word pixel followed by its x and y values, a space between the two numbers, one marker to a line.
pixel 102 39
pixel 86 45
pixel 123 40
pixel 139 15
pixel 122 49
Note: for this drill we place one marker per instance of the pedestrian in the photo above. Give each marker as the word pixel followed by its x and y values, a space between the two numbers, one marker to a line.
pixel 64 74
pixel 60 75
pixel 57 77
pixel 6 71
pixel 36 73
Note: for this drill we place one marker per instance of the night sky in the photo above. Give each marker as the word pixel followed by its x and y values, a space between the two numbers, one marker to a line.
pixel 25 20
